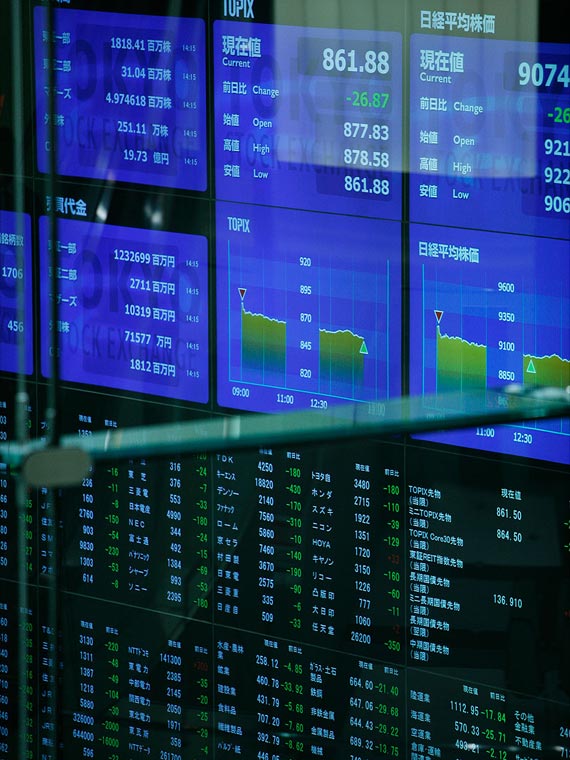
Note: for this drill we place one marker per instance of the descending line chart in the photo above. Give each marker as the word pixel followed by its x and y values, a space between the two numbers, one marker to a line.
pixel 308 309
pixel 479 320
pixel 461 364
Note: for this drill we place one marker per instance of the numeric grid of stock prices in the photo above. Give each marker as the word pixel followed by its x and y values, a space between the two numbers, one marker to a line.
pixel 262 208
pixel 296 601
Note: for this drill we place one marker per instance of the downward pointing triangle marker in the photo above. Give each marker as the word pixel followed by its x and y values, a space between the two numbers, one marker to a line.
pixel 242 292
pixel 438 315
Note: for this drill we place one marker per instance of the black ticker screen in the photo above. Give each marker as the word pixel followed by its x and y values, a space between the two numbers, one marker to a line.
pixel 264 207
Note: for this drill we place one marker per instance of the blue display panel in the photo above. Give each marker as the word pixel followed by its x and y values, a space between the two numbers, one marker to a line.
pixel 133 308
pixel 487 310
pixel 308 308
pixel 15 272
pixel 489 141
pixel 130 97
pixel 309 118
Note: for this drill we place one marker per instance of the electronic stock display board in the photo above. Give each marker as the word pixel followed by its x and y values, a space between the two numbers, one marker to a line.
pixel 305 119
pixel 489 150
pixel 275 206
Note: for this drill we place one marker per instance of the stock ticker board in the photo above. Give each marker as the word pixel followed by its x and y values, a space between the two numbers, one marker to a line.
pixel 265 207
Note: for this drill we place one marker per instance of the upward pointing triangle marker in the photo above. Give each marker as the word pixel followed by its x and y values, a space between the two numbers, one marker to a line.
pixel 438 315
pixel 531 369
pixel 242 292
pixel 364 348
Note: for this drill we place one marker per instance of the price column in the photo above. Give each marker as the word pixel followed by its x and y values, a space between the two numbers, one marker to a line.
pixel 377 570
pixel 267 526
pixel 370 718
pixel 279 480
pixel 84 718
pixel 276 538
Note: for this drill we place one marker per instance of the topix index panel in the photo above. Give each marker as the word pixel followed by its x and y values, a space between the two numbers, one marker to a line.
pixel 266 206
pixel 309 118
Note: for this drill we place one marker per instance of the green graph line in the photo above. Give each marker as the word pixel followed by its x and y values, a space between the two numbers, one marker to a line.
pixel 461 365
